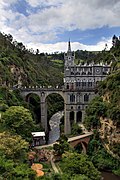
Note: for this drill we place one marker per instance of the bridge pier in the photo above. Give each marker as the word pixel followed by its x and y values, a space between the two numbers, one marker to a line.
pixel 43 115
pixel 84 148
pixel 75 117
pixel 67 126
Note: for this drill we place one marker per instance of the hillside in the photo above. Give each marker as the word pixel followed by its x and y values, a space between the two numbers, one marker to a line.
pixel 19 65
pixel 103 112
pixel 27 67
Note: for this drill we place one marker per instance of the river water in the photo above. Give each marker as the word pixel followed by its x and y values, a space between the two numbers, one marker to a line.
pixel 109 176
pixel 54 122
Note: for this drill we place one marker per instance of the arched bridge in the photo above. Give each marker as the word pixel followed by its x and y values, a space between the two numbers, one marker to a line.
pixel 74 141
pixel 43 93
pixel 82 139
pixel 74 104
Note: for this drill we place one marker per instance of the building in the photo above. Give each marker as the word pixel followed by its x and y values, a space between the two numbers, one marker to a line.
pixel 80 82
pixel 38 138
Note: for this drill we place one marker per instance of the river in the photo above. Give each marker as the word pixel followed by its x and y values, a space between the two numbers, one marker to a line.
pixel 109 176
pixel 54 122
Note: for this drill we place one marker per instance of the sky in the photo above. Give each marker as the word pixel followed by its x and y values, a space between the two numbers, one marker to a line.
pixel 48 25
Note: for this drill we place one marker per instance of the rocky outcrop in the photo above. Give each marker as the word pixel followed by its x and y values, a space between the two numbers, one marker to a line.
pixel 109 133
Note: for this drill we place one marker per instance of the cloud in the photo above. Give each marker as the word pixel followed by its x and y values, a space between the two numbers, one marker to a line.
pixel 43 3
pixel 62 46
pixel 49 18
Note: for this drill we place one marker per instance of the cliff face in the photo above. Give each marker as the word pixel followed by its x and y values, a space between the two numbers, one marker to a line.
pixel 110 125
pixel 110 135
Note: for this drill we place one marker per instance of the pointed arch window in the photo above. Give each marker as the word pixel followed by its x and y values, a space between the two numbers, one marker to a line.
pixel 90 84
pixel 79 116
pixel 72 98
pixel 71 117
pixel 67 86
pixel 86 97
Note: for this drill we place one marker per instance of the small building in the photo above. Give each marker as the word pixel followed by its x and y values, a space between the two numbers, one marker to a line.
pixel 38 138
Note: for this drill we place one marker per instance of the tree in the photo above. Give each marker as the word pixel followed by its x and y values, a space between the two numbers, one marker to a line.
pixel 18 120
pixel 76 130
pixel 13 158
pixel 13 146
pixel 12 170
pixel 61 146
pixel 95 109
pixel 79 164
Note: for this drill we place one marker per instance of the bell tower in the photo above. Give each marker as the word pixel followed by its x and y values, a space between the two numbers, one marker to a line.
pixel 69 56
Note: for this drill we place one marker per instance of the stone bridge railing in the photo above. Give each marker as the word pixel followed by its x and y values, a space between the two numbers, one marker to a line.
pixel 27 88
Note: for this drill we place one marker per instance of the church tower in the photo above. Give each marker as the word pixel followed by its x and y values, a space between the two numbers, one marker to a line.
pixel 69 57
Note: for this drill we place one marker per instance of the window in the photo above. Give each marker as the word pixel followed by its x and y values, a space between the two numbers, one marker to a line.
pixel 83 84
pixel 86 97
pixel 72 98
pixel 89 84
pixel 72 73
pixel 78 98
pixel 67 86
pixel 71 117
pixel 79 116
pixel 78 84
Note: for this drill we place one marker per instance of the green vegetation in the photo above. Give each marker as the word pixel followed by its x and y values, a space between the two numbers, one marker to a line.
pixel 76 130
pixel 95 109
pixel 13 157
pixel 61 146
pixel 79 164
pixel 19 67
pixel 18 120
pixel 55 103
pixel 100 157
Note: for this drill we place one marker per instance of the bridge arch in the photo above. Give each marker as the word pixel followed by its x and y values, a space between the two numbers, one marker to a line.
pixel 54 92
pixel 81 147
pixel 43 94
pixel 83 140
pixel 57 102
pixel 33 100
pixel 28 95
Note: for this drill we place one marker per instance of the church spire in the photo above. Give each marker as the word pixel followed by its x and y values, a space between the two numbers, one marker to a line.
pixel 69 46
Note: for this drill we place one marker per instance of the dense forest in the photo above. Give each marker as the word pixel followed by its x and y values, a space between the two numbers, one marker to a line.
pixel 20 66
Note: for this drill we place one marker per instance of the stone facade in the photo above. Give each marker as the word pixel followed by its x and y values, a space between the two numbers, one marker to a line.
pixel 80 82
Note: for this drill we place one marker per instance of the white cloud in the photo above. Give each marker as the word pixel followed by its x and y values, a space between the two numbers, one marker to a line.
pixel 35 3
pixel 84 14
pixel 62 46
pixel 57 16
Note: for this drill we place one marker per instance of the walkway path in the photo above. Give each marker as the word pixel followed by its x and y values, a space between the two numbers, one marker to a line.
pixel 80 136
pixel 53 164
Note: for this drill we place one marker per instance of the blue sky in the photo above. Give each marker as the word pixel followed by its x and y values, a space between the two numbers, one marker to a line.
pixel 47 25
